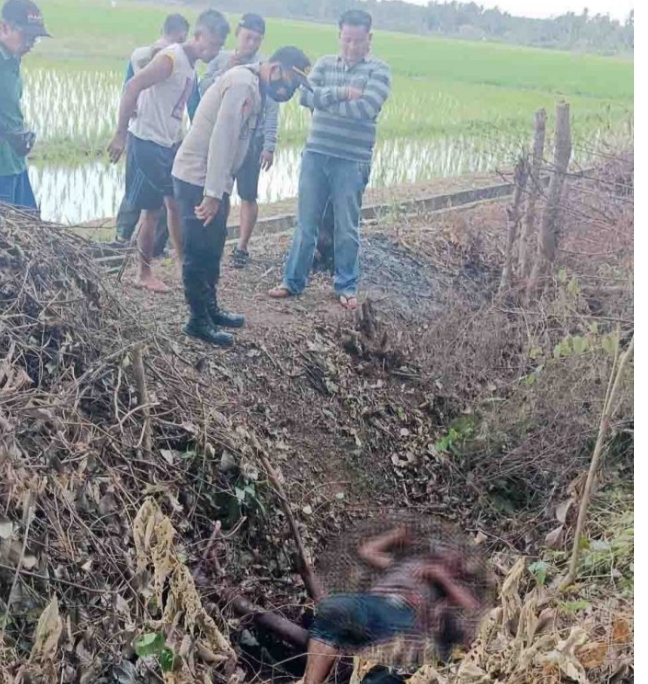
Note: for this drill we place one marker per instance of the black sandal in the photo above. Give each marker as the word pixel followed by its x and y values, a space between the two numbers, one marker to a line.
pixel 240 258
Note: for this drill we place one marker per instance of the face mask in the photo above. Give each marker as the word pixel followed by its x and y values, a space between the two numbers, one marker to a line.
pixel 280 91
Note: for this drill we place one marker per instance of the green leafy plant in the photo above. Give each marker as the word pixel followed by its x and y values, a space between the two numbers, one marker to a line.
pixel 460 430
pixel 153 644
pixel 539 571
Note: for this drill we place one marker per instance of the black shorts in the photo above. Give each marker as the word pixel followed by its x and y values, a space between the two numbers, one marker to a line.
pixel 148 173
pixel 247 177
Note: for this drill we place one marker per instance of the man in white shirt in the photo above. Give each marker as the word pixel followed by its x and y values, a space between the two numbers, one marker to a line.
pixel 150 116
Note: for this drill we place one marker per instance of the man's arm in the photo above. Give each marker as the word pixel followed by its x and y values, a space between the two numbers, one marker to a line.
pixel 158 70
pixel 368 106
pixel 235 110
pixel 270 125
pixel 374 551
pixel 321 96
pixel 434 572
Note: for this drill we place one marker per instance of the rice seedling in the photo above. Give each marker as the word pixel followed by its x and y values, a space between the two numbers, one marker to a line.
pixel 456 107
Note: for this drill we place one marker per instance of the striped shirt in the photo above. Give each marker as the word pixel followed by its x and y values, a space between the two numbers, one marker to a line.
pixel 269 123
pixel 345 128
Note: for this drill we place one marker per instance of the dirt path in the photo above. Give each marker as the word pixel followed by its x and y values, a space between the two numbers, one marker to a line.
pixel 291 369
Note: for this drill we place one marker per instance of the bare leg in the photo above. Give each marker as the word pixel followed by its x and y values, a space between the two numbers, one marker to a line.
pixel 321 658
pixel 145 240
pixel 175 227
pixel 249 214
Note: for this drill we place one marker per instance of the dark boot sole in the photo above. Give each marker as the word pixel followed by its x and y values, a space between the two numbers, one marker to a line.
pixel 225 343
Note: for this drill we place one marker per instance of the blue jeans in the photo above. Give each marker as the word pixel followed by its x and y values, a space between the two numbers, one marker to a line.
pixel 17 191
pixel 344 181
pixel 358 620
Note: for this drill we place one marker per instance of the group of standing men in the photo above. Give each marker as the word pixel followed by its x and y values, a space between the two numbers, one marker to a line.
pixel 234 114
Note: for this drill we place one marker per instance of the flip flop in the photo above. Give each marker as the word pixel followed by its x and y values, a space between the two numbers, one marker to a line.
pixel 280 292
pixel 348 302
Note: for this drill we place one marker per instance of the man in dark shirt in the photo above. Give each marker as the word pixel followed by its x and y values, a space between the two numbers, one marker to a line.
pixel 21 25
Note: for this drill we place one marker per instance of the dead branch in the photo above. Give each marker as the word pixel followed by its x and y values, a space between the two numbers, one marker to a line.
pixel 608 410
pixel 142 395
pixel 313 587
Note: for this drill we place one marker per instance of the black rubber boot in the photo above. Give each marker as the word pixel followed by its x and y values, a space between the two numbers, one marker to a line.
pixel 201 328
pixel 200 324
pixel 221 318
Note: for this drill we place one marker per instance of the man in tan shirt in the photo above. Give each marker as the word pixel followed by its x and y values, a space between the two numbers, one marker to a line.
pixel 203 177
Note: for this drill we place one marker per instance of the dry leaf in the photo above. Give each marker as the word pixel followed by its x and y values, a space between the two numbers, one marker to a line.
pixel 29 561
pixel 427 674
pixel 621 633
pixel 554 540
pixel 562 510
pixel 6 528
pixel 565 657
pixel 469 672
pixel 592 655
pixel 48 633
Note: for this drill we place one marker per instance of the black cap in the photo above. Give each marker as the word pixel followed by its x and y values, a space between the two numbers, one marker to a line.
pixel 253 22
pixel 293 59
pixel 24 15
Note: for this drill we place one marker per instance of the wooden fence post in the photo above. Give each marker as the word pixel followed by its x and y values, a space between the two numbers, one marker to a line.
pixel 547 235
pixel 514 215
pixel 528 228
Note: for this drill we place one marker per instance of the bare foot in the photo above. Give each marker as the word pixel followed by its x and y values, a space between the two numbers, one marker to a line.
pixel 151 283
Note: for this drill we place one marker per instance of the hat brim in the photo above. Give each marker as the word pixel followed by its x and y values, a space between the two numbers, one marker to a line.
pixel 35 31
pixel 301 79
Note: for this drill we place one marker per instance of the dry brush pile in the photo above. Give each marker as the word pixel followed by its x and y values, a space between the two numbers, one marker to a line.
pixel 119 454
pixel 90 441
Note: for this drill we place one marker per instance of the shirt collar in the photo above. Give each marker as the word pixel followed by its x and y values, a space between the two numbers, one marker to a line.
pixel 341 60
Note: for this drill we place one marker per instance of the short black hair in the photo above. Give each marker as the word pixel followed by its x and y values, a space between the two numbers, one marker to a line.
pixel 355 17
pixel 213 21
pixel 174 23
pixel 253 22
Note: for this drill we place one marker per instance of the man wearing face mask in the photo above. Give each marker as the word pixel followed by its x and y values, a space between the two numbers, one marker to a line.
pixel 203 177
pixel 151 111
pixel 348 93
pixel 249 36
pixel 21 25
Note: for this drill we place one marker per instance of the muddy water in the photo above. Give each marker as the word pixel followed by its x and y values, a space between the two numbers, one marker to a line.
pixel 78 193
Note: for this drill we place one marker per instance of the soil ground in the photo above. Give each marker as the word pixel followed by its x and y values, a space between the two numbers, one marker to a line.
pixel 284 362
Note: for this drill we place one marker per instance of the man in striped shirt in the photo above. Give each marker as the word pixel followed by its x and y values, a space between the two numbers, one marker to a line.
pixel 348 93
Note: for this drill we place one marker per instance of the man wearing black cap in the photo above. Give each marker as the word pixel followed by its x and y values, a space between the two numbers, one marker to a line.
pixel 249 36
pixel 21 25
pixel 203 176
